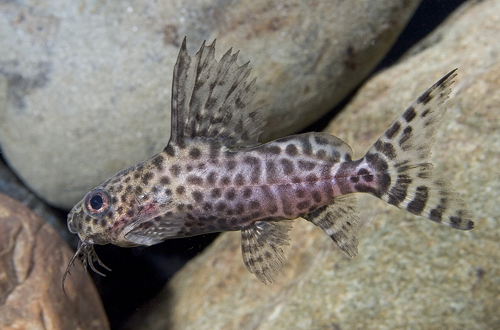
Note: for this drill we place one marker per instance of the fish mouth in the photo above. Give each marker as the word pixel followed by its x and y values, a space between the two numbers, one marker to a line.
pixel 69 220
pixel 87 256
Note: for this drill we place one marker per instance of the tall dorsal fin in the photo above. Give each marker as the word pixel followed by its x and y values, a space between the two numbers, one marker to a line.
pixel 209 100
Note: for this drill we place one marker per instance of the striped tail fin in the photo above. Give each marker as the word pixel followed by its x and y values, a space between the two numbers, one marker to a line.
pixel 402 155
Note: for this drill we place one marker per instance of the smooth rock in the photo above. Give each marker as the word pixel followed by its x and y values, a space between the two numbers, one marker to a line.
pixel 33 259
pixel 85 86
pixel 410 273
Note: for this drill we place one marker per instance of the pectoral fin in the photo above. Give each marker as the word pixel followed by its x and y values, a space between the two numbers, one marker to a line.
pixel 155 230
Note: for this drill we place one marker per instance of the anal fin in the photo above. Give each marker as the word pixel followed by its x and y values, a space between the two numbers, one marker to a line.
pixel 261 247
pixel 340 221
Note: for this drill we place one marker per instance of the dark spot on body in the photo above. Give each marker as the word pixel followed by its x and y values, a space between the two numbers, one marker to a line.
pixel 175 170
pixel 169 150
pixel 311 178
pixel 239 179
pixel 138 190
pixel 194 180
pixel 168 192
pixel 425 113
pixel 321 154
pixel 291 150
pixel 231 194
pixel 253 205
pixel 343 174
pixel 180 190
pixel 211 178
pixel 301 193
pixel 231 164
pixel 303 205
pixel 146 177
pixel 273 208
pixel 320 140
pixel 220 206
pixel 226 181
pixel 216 193
pixel 164 180
pixel 305 165
pixel 198 196
pixel 195 153
pixel 239 209
pixel 296 179
pixel 158 161
pixel 247 192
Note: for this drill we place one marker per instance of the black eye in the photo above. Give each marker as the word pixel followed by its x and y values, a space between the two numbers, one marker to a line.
pixel 97 201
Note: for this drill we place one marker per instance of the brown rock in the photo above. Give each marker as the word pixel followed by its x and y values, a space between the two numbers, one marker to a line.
pixel 410 273
pixel 33 259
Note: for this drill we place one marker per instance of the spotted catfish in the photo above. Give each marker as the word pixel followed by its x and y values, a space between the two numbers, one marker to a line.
pixel 214 176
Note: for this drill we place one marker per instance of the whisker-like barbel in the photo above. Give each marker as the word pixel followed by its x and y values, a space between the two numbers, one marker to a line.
pixel 87 255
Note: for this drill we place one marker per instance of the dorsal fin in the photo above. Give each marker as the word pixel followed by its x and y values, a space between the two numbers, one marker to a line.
pixel 209 100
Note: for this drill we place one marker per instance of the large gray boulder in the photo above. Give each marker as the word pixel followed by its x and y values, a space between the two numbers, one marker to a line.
pixel 85 86
pixel 410 273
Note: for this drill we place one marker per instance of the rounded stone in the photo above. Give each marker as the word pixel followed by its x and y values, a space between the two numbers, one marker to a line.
pixel 85 87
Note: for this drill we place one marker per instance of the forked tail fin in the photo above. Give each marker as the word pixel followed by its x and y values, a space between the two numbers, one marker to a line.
pixel 402 155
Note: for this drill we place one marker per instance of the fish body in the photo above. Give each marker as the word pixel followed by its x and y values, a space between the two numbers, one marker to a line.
pixel 214 176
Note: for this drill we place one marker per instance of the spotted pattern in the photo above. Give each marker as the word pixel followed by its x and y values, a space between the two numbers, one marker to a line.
pixel 214 176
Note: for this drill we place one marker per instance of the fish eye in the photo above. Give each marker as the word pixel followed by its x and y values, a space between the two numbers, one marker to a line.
pixel 97 201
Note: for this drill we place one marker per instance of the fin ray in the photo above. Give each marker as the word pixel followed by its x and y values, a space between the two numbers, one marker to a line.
pixel 403 153
pixel 261 247
pixel 209 99
pixel 340 221
pixel 155 230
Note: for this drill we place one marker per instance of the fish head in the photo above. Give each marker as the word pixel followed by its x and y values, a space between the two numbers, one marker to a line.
pixel 124 212
pixel 95 219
